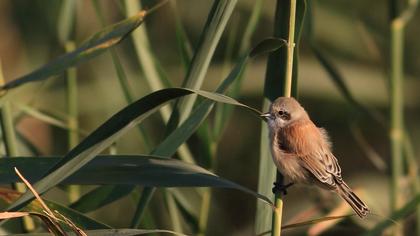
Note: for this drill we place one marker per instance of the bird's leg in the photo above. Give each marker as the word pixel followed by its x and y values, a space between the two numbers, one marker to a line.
pixel 281 188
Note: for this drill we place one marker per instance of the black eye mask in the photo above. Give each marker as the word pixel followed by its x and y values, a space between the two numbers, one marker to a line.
pixel 284 115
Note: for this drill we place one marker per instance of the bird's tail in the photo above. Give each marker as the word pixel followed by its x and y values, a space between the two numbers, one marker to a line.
pixel 352 199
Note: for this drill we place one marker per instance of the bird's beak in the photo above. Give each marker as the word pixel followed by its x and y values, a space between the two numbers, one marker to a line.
pixel 267 116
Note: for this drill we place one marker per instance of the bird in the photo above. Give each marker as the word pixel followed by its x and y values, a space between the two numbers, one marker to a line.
pixel 302 152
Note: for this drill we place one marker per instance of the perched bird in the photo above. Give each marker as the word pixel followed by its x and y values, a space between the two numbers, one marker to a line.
pixel 302 151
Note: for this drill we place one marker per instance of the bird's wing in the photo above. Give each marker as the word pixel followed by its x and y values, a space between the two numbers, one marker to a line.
pixel 311 145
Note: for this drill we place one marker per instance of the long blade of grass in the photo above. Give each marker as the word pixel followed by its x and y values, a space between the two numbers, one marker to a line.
pixel 149 65
pixel 189 201
pixel 111 130
pixel 100 197
pixel 94 46
pixel 142 170
pixel 215 25
pixel 121 75
pixel 145 55
pixel 10 143
pixel 66 21
pixel 181 134
pixel 184 45
pixel 45 117
pixel 174 213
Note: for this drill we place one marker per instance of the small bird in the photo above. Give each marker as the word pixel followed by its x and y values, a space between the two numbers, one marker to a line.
pixel 302 151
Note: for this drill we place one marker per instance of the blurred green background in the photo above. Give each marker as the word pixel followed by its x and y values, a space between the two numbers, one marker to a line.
pixel 354 35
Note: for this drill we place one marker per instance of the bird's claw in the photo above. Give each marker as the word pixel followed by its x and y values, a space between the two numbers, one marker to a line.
pixel 281 188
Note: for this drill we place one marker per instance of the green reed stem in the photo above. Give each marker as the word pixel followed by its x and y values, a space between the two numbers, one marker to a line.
pixel 290 49
pixel 277 214
pixel 10 145
pixel 72 113
pixel 396 131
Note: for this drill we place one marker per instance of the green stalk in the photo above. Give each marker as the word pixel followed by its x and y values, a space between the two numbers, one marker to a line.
pixel 206 193
pixel 396 131
pixel 277 213
pixel 396 128
pixel 146 61
pixel 204 212
pixel 72 112
pixel 146 196
pixel 290 49
pixel 10 145
pixel 121 75
pixel 173 212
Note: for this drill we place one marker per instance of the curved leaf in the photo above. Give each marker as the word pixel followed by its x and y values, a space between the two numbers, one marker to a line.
pixel 101 196
pixel 267 45
pixel 111 130
pixel 123 170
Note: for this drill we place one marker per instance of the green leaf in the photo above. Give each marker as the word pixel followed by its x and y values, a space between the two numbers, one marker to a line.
pixel 184 45
pixel 215 25
pixel 187 128
pixel 123 170
pixel 76 217
pixel 110 131
pixel 101 196
pixel 94 46
pixel 44 116
pixel 267 45
pixel 145 56
pixel 66 21
pixel 267 174
pixel 223 112
pixel 121 75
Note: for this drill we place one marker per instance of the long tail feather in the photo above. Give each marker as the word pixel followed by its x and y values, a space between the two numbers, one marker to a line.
pixel 352 199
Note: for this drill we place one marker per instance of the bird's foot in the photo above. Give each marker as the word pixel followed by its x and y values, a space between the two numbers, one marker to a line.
pixel 281 188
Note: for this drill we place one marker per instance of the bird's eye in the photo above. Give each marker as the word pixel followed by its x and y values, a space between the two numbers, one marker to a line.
pixel 284 115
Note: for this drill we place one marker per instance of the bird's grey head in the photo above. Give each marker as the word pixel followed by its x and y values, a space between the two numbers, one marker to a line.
pixel 284 111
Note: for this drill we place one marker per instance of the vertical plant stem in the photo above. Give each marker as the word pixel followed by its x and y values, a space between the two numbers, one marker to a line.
pixel 72 113
pixel 290 49
pixel 147 62
pixel 277 214
pixel 121 75
pixel 396 132
pixel 204 212
pixel 173 212
pixel 72 107
pixel 206 193
pixel 10 145
pixel 145 198
pixel 396 105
